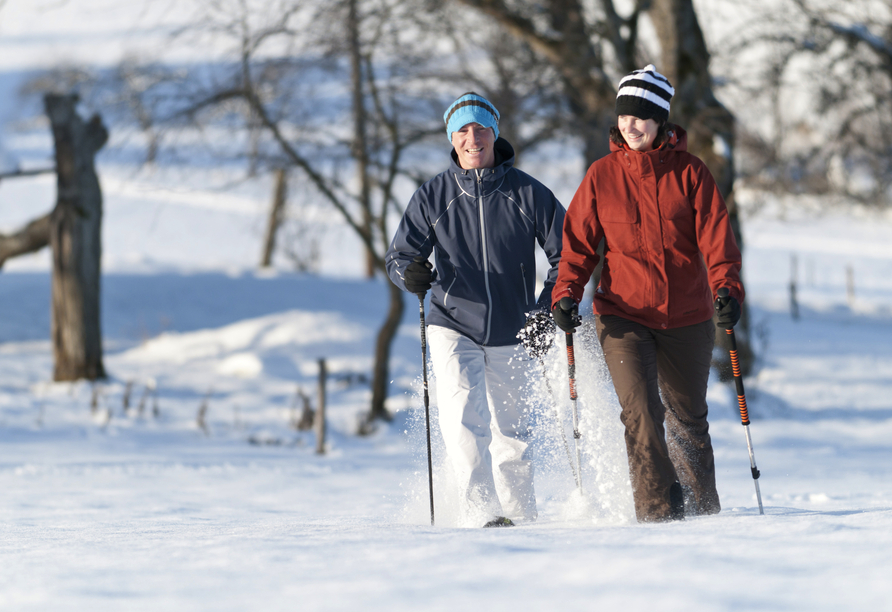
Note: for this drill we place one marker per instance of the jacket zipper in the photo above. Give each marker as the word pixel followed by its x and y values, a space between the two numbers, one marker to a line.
pixel 527 296
pixel 485 258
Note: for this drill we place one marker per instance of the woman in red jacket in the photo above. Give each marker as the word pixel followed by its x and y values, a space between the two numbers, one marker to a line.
pixel 668 249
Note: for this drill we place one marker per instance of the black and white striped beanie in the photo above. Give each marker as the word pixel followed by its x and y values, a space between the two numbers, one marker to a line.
pixel 644 94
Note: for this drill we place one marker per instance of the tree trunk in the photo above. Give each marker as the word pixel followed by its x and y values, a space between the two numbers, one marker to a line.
pixel 360 138
pixel 75 238
pixel 710 126
pixel 590 93
pixel 383 345
pixel 275 218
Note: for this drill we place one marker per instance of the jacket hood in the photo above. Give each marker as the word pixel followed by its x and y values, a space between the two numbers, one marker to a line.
pixel 504 154
pixel 678 141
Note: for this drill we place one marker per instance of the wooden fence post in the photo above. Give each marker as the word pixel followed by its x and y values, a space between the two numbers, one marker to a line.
pixel 277 211
pixel 794 273
pixel 320 410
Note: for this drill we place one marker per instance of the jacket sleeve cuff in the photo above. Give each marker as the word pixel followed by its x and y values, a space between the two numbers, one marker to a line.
pixel 557 295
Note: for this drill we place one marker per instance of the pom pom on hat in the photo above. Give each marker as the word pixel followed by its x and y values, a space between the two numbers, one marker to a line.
pixel 471 108
pixel 644 94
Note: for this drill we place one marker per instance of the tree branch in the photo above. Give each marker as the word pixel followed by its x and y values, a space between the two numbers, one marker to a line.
pixel 563 51
pixel 29 239
pixel 300 161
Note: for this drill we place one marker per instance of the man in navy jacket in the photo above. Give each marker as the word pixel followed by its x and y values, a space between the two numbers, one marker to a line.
pixel 481 219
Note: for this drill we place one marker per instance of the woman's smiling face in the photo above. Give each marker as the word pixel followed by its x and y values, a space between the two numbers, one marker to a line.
pixel 639 134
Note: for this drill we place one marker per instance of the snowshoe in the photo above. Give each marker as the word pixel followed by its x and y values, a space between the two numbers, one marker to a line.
pixel 500 521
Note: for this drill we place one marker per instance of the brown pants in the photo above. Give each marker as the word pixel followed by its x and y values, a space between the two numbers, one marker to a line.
pixel 645 364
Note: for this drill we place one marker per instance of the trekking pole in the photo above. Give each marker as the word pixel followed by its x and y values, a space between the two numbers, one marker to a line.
pixel 560 421
pixel 571 370
pixel 563 433
pixel 427 413
pixel 537 337
pixel 741 401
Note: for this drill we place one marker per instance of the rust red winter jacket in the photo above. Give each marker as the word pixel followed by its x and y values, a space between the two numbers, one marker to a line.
pixel 669 244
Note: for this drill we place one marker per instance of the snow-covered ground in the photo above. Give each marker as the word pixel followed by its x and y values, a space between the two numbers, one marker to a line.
pixel 107 507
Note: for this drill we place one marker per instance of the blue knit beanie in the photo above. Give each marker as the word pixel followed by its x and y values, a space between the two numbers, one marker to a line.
pixel 471 108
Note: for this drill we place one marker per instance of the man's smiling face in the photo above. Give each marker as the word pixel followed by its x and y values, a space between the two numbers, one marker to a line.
pixel 474 145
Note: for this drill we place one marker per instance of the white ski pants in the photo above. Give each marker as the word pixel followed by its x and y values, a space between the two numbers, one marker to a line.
pixel 484 423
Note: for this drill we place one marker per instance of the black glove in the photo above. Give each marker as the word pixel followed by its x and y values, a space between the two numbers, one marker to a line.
pixel 418 276
pixel 566 314
pixel 727 309
pixel 537 335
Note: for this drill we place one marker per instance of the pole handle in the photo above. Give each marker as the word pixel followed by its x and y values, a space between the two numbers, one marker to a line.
pixel 571 366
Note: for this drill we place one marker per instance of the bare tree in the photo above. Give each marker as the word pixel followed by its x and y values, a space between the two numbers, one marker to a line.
pixel 360 144
pixel 559 31
pixel 76 241
pixel 574 40
pixel 275 85
pixel 823 72
pixel 73 231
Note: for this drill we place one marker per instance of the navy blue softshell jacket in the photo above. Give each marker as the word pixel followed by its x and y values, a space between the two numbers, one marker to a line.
pixel 482 226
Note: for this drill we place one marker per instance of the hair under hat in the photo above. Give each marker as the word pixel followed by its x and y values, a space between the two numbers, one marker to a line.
pixel 644 94
pixel 471 108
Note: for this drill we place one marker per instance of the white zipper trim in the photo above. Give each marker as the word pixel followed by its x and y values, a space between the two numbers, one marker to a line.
pixel 485 258
pixel 462 189
pixel 449 288
pixel 446 210
pixel 513 201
